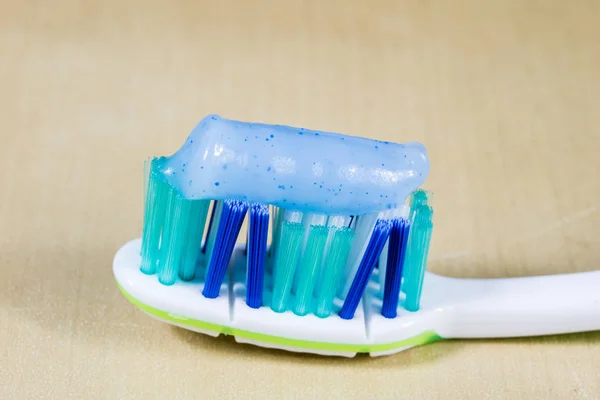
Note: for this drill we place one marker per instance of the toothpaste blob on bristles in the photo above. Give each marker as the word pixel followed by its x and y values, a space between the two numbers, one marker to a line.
pixel 294 168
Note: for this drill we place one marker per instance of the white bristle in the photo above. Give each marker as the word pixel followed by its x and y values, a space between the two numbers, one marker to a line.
pixel 388 214
pixel 292 216
pixel 383 258
pixel 314 219
pixel 364 230
pixel 339 221
pixel 403 211
pixel 334 221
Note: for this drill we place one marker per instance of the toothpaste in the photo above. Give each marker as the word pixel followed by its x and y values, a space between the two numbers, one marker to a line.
pixel 294 168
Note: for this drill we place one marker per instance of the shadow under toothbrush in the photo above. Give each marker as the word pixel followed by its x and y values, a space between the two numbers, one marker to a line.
pixel 226 345
pixel 420 355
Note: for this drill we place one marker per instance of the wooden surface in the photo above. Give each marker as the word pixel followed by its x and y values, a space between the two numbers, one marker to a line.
pixel 505 95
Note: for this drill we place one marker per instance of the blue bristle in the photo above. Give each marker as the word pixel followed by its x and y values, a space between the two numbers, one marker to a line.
pixel 231 219
pixel 257 250
pixel 395 263
pixel 380 235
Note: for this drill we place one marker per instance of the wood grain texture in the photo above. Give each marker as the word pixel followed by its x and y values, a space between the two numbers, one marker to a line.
pixel 505 95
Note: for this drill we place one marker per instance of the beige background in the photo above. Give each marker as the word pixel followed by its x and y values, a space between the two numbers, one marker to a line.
pixel 505 94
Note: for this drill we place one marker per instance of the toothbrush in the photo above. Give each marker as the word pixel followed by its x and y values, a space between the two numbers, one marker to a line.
pixel 345 269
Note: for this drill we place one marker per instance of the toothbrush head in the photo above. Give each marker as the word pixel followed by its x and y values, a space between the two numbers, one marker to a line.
pixel 184 306
pixel 332 243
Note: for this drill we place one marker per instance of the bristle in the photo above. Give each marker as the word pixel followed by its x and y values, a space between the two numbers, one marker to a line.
pixel 213 229
pixel 334 223
pixel 311 258
pixel 289 216
pixel 308 220
pixel 333 267
pixel 309 266
pixel 212 223
pixel 193 238
pixel 416 256
pixel 352 221
pixel 312 219
pixel 230 222
pixel 147 165
pixel 382 263
pixel 154 219
pixel 286 260
pixel 364 231
pixel 165 237
pixel 395 262
pixel 276 231
pixel 172 230
pixel 420 198
pixel 257 251
pixel 367 264
pixel 174 238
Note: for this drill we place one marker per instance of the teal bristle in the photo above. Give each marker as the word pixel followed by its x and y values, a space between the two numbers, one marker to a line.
pixel 309 268
pixel 333 267
pixel 286 259
pixel 417 250
pixel 312 258
pixel 419 198
pixel 155 211
pixel 173 240
pixel 334 223
pixel 198 211
pixel 147 164
pixel 172 231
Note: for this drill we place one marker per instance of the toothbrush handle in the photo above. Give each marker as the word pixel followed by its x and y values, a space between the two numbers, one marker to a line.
pixel 530 306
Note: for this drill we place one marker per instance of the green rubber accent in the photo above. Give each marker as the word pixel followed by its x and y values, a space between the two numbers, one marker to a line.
pixel 419 340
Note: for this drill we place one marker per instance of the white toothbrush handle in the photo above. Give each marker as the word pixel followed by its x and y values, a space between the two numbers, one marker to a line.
pixel 530 306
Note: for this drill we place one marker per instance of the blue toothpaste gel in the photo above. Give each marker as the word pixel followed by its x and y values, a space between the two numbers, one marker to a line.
pixel 294 168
